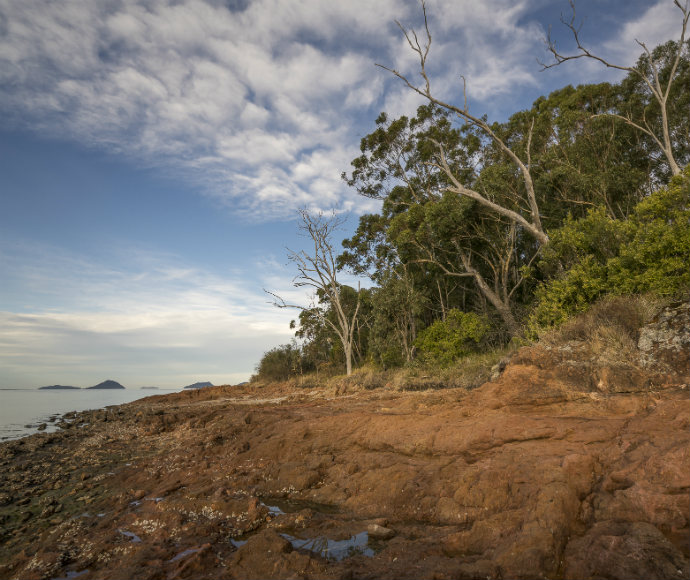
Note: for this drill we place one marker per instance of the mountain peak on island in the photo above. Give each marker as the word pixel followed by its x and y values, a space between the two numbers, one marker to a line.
pixel 200 385
pixel 107 385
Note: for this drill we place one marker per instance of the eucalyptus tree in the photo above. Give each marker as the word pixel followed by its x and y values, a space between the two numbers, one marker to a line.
pixel 318 270
pixel 586 160
pixel 425 224
pixel 528 218
pixel 657 79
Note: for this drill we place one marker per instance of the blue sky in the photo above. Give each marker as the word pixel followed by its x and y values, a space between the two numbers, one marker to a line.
pixel 153 154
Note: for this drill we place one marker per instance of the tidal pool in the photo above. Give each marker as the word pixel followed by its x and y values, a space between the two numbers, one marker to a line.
pixel 334 549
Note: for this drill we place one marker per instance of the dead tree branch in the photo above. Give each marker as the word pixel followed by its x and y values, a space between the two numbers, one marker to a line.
pixel 659 92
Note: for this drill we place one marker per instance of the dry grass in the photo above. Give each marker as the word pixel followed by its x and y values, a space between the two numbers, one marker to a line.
pixel 467 373
pixel 610 328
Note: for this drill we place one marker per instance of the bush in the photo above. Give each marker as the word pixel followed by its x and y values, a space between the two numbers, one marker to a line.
pixel 596 256
pixel 279 363
pixel 567 295
pixel 654 257
pixel 445 341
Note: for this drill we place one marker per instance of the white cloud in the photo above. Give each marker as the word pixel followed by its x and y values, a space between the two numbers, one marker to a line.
pixel 132 320
pixel 659 23
pixel 194 85
pixel 237 101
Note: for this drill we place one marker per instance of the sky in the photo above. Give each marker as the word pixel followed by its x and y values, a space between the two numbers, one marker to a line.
pixel 154 154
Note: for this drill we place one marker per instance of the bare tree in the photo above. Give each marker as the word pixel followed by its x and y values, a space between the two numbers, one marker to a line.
pixel 318 270
pixel 659 91
pixel 533 224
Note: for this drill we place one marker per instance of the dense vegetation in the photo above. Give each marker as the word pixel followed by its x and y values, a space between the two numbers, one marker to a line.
pixel 452 275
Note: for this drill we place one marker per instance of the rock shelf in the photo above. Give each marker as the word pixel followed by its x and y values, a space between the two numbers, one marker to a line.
pixel 563 467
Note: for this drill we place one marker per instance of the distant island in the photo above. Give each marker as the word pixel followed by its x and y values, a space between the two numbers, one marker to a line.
pixel 199 385
pixel 107 385
pixel 149 388
pixel 104 385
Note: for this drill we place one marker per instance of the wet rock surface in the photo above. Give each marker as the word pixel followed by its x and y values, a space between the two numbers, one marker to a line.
pixel 560 468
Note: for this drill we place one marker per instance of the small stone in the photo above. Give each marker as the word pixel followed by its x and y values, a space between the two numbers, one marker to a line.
pixel 378 532
pixel 48 511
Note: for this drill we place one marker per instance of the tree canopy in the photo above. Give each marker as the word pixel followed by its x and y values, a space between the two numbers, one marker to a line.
pixel 492 230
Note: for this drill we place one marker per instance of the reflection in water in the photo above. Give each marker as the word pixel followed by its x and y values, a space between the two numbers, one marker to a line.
pixel 334 549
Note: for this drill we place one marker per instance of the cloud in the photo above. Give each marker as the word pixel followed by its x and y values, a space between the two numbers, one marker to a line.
pixel 659 23
pixel 221 95
pixel 238 100
pixel 132 319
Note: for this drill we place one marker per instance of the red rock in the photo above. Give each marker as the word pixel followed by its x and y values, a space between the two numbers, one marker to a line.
pixel 564 466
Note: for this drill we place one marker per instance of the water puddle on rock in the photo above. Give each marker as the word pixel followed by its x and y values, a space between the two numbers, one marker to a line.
pixel 185 553
pixel 71 575
pixel 279 506
pixel 131 535
pixel 334 549
pixel 356 545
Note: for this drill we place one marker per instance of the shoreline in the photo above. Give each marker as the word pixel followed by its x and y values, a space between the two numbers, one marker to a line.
pixel 567 465
pixel 36 407
pixel 280 481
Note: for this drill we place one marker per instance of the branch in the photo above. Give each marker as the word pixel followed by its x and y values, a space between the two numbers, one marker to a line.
pixel 659 93
pixel 459 188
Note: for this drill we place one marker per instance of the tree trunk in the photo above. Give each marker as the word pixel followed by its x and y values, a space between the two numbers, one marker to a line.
pixel 348 358
pixel 502 307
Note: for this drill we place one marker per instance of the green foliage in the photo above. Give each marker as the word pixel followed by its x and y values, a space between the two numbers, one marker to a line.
pixel 397 307
pixel 655 255
pixel 567 295
pixel 445 341
pixel 596 236
pixel 595 256
pixel 279 363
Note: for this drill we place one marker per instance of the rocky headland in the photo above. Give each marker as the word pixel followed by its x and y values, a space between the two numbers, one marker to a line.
pixel 572 463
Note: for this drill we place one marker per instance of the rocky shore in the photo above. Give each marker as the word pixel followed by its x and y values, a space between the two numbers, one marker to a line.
pixel 568 465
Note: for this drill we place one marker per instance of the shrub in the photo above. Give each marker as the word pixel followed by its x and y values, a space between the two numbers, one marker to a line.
pixel 279 363
pixel 567 295
pixel 596 256
pixel 445 341
pixel 654 256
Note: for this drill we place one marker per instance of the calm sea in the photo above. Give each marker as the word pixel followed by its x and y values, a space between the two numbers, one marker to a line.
pixel 22 410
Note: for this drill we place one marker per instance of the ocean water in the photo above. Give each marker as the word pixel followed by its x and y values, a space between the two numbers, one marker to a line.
pixel 23 410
